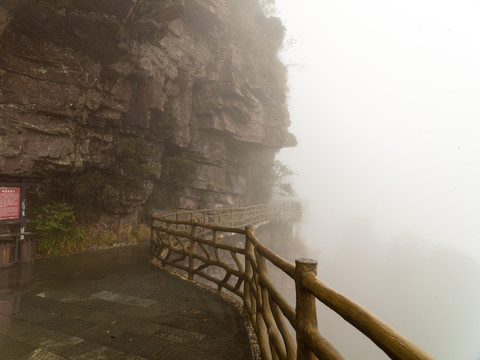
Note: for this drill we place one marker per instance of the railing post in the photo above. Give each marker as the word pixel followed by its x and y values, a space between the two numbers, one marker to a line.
pixel 193 249
pixel 306 311
pixel 169 235
pixel 248 269
pixel 152 247
pixel 249 301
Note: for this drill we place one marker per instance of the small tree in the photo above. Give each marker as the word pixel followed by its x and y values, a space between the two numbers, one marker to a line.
pixel 281 174
pixel 272 180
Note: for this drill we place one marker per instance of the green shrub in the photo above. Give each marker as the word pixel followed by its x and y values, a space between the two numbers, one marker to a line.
pixel 134 157
pixel 166 122
pixel 56 217
pixel 137 148
pixel 181 170
pixel 157 200
pixel 273 180
pixel 57 230
pixel 109 196
pixel 94 188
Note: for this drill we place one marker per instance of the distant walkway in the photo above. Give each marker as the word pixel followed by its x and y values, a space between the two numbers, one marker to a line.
pixel 113 305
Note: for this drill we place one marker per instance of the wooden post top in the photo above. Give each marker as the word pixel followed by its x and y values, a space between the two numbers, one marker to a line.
pixel 306 261
pixel 305 265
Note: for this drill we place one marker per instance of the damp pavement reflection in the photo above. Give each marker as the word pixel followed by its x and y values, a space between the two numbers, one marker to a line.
pixel 113 304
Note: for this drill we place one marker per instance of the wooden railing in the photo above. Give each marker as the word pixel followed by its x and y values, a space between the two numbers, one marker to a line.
pixel 239 216
pixel 211 244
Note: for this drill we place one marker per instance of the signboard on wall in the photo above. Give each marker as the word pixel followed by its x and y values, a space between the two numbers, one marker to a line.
pixel 10 202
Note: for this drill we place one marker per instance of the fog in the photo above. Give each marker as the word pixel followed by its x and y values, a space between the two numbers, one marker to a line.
pixel 384 100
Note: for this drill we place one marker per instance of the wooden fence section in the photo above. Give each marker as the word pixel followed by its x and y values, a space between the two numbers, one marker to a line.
pixel 239 216
pixel 197 243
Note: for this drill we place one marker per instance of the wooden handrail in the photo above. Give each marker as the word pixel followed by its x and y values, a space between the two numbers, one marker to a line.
pixel 385 337
pixel 287 267
pixel 14 235
pixel 195 242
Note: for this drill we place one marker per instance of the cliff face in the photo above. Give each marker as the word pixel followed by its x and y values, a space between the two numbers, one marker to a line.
pixel 103 94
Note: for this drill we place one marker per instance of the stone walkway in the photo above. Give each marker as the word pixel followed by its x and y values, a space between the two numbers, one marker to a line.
pixel 113 304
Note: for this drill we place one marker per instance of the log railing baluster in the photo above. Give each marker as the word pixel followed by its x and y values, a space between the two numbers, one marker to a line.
pixel 248 274
pixel 193 248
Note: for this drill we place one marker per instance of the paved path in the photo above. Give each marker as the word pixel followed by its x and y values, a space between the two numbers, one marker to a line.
pixel 113 304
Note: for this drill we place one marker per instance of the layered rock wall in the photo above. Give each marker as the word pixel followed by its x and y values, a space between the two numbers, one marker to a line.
pixel 111 89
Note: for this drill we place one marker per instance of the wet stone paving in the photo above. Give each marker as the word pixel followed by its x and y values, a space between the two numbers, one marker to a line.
pixel 113 304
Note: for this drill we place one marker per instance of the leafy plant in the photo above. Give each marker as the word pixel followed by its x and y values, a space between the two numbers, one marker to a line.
pixel 273 180
pixel 94 188
pixel 134 157
pixel 137 148
pixel 109 195
pixel 157 200
pixel 57 217
pixel 281 173
pixel 57 230
pixel 166 121
pixel 181 170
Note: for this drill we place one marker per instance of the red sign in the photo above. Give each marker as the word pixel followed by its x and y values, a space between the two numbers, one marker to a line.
pixel 10 203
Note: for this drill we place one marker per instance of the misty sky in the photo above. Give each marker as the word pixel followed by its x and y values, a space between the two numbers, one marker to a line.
pixel 385 102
